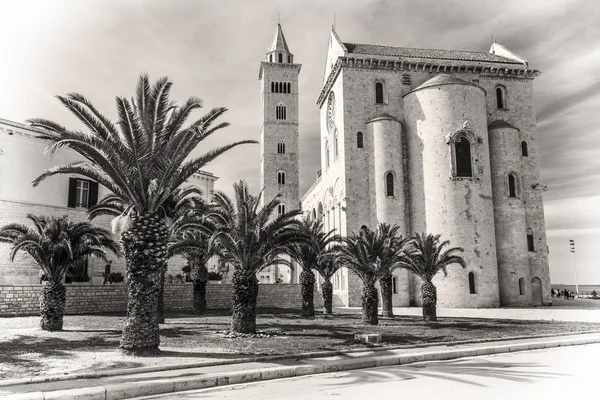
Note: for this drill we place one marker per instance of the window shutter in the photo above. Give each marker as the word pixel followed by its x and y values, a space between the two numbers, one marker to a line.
pixel 93 200
pixel 72 199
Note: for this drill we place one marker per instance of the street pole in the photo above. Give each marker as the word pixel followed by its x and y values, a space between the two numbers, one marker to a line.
pixel 572 248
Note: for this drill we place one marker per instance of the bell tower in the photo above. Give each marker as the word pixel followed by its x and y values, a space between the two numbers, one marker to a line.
pixel 278 76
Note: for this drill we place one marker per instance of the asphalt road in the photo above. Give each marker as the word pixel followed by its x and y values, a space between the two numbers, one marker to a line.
pixel 540 374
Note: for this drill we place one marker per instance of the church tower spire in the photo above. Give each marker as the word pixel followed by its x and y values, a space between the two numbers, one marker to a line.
pixel 279 137
pixel 279 52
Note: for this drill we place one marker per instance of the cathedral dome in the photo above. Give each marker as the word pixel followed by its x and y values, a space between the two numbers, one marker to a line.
pixel 384 116
pixel 444 79
pixel 499 124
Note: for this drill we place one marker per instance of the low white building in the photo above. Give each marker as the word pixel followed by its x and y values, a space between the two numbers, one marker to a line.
pixel 22 160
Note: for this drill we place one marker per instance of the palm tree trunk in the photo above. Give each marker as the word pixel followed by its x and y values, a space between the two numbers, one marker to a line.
pixel 370 302
pixel 145 245
pixel 199 275
pixel 429 300
pixel 52 306
pixel 327 288
pixel 200 297
pixel 307 280
pixel 161 300
pixel 386 295
pixel 245 292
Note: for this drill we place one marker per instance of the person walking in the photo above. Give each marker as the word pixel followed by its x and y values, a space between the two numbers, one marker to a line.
pixel 107 272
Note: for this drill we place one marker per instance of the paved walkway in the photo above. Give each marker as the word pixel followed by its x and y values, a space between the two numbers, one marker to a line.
pixel 557 373
pixel 540 314
pixel 144 384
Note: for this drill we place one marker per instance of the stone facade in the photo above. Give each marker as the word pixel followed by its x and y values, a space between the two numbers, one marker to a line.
pixel 431 102
pixel 21 300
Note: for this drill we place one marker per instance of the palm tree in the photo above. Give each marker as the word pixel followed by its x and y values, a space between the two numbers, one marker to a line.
pixel 426 259
pixel 393 248
pixel 373 255
pixel 191 240
pixel 360 254
pixel 182 203
pixel 142 162
pixel 309 254
pixel 250 238
pixel 55 245
pixel 326 267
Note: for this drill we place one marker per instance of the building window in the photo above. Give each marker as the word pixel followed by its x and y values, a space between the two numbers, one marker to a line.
pixel 335 145
pixel 462 149
pixel 359 140
pixel 327 154
pixel 314 214
pixel 272 87
pixel 379 98
pixel 270 57
pixel 281 148
pixel 82 193
pixel 281 209
pixel 389 184
pixel 289 59
pixel 524 151
pixel 521 286
pixel 530 242
pixel 394 285
pixel 280 57
pixel 320 215
pixel 281 178
pixel 289 88
pixel 472 283
pixel 512 185
pixel 500 98
pixel 281 112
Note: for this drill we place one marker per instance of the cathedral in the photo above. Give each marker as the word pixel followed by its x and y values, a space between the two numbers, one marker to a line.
pixel 436 141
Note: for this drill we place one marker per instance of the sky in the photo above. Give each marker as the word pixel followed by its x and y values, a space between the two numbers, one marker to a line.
pixel 212 49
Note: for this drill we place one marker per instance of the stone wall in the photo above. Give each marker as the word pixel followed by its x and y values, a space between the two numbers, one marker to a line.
pixel 22 300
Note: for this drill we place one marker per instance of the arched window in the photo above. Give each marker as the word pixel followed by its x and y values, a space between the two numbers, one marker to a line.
pixel 327 154
pixel 524 151
pixel 320 210
pixel 389 184
pixel 272 87
pixel 289 59
pixel 280 209
pixel 530 241
pixel 335 145
pixel 281 88
pixel 472 283
pixel 281 148
pixel 289 87
pixel 363 228
pixel 314 214
pixel 270 57
pixel 359 140
pixel 280 112
pixel 512 185
pixel 280 57
pixel 500 98
pixel 462 149
pixel 521 286
pixel 281 178
pixel 379 93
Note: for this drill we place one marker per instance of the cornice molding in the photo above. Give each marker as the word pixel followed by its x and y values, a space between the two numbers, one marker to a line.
pixel 279 65
pixel 506 72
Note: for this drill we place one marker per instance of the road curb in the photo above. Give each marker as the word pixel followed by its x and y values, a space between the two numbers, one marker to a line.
pixel 300 356
pixel 164 386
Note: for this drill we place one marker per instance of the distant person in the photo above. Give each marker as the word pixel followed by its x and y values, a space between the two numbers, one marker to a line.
pixel 107 272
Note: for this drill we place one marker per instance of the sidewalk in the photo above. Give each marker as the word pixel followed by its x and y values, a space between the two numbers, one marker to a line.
pixel 531 314
pixel 143 384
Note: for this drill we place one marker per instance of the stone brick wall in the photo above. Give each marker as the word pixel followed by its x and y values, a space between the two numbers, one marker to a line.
pixel 21 300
